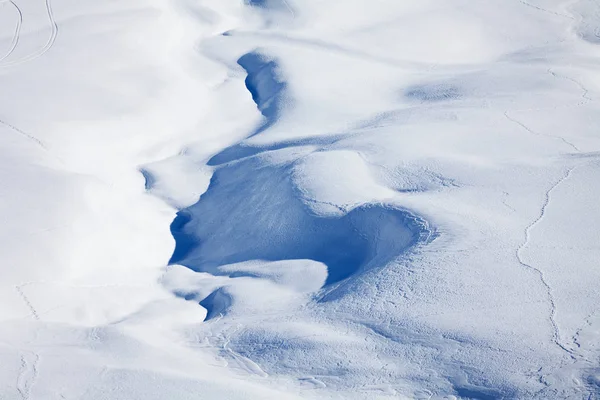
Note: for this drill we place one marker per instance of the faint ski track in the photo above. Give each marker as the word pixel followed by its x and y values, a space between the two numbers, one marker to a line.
pixel 555 329
pixel 47 46
pixel 15 39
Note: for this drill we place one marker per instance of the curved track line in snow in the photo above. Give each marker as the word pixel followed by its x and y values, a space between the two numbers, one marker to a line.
pixel 585 100
pixel 584 90
pixel 47 46
pixel 526 128
pixel 244 363
pixel 556 337
pixel 15 39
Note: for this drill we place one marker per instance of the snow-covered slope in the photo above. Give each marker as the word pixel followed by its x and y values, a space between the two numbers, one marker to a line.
pixel 299 199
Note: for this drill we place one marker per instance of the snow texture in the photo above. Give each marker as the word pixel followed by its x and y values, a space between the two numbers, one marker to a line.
pixel 284 199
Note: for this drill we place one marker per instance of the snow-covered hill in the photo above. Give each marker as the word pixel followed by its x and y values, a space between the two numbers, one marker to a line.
pixel 272 199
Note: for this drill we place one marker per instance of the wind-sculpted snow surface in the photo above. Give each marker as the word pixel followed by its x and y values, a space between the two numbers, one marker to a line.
pixel 587 13
pixel 266 87
pixel 277 225
pixel 273 199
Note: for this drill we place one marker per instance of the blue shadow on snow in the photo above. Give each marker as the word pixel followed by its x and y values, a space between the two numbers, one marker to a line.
pixel 252 211
pixel 265 86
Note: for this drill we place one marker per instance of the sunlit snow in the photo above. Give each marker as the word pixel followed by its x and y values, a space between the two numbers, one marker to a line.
pixel 299 199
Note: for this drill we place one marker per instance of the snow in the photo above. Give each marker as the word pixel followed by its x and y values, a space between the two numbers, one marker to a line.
pixel 281 199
